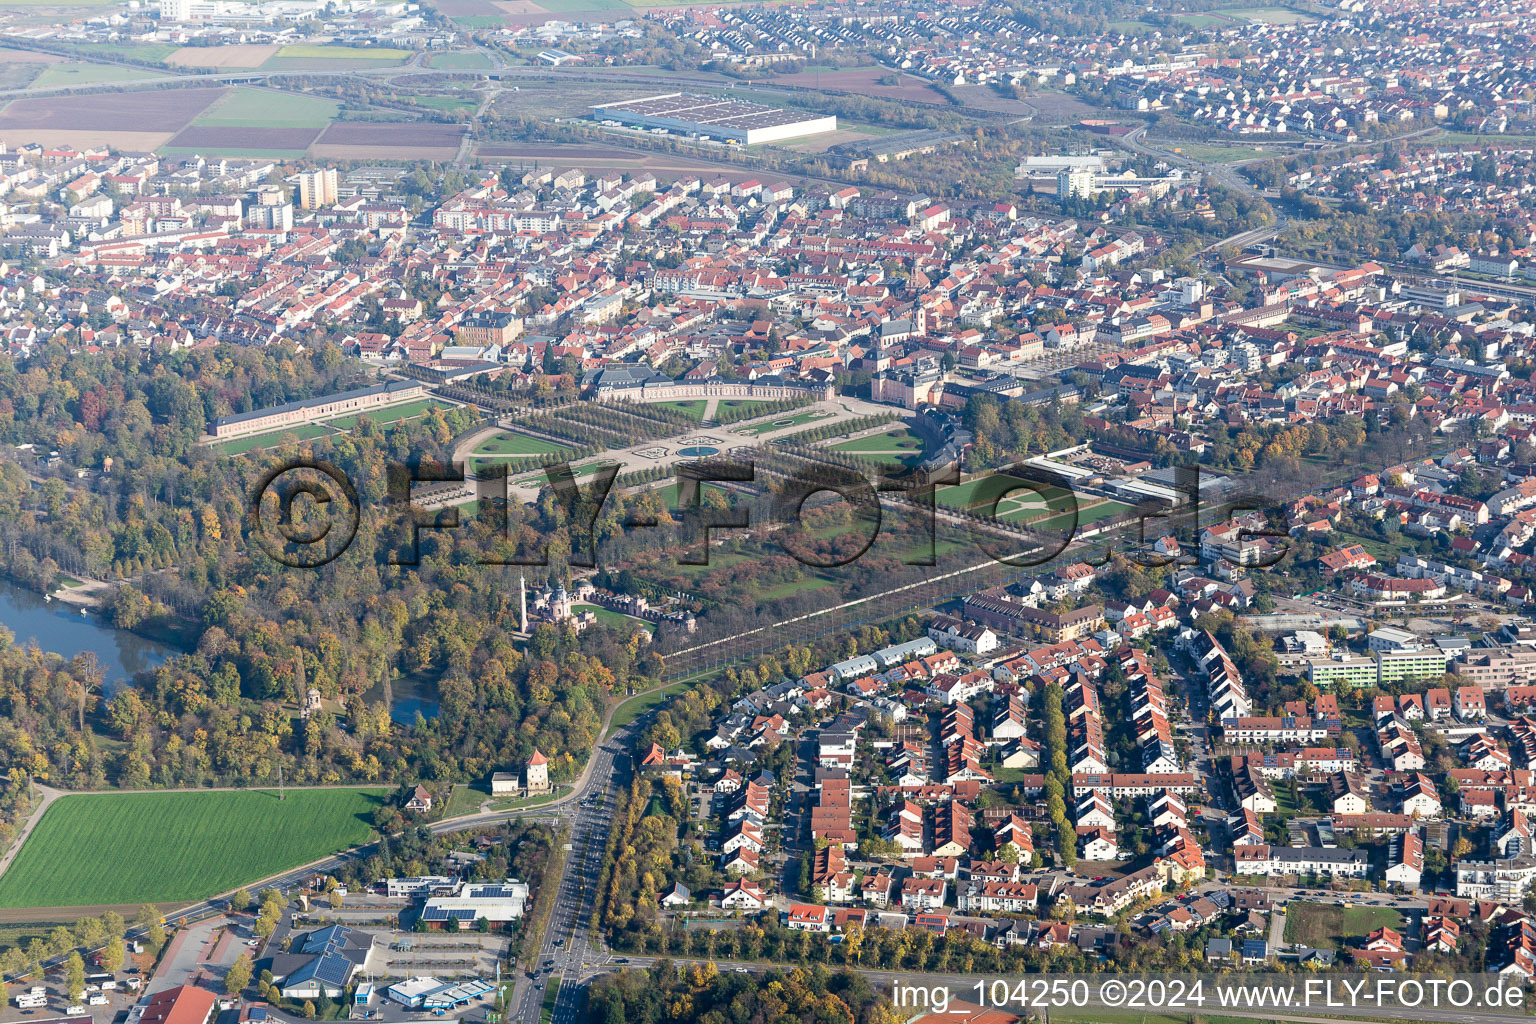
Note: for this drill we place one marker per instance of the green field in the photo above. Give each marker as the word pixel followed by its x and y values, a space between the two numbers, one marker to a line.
pixel 790 587
pixel 573 6
pixel 1085 514
pixel 241 445
pixel 155 52
pixel 93 849
pixel 782 422
pixel 1216 154
pixel 693 409
pixel 1268 15
pixel 1206 21
pixel 467 61
pixel 267 108
pixel 234 152
pixel 896 447
pixel 520 445
pixel 615 620
pixel 634 707
pixel 979 493
pixel 1327 927
pixel 452 104
pixel 479 20
pixel 392 414
pixel 89 74
pixel 551 996
pixel 309 52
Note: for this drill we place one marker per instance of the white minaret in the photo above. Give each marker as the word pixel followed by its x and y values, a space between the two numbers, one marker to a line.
pixel 522 604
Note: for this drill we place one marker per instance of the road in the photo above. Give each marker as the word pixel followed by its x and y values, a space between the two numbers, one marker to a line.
pixel 569 946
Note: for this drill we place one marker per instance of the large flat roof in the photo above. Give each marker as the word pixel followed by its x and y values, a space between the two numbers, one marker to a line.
pixel 708 110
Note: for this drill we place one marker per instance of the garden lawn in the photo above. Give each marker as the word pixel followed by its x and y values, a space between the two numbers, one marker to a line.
pixel 782 422
pixel 241 445
pixel 694 408
pixel 520 445
pixel 391 414
pixel 1325 926
pixel 890 440
pixel 634 707
pixel 107 848
pixel 616 620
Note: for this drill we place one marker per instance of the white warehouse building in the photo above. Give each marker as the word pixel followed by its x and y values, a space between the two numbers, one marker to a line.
pixel 725 119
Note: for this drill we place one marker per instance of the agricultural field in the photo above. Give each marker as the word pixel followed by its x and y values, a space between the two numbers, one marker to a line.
pixel 236 56
pixel 253 122
pixel 396 140
pixel 248 107
pixel 875 81
pixel 167 847
pixel 463 61
pixel 572 6
pixel 306 57
pixel 135 122
pixel 305 51
pixel 77 73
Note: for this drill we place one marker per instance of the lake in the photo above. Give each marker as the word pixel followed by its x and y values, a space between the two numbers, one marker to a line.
pixel 59 627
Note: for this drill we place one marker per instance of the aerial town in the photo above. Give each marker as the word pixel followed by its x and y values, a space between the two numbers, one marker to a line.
pixel 570 511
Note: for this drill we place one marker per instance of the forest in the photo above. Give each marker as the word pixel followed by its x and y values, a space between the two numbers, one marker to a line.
pixel 701 993
pixel 169 517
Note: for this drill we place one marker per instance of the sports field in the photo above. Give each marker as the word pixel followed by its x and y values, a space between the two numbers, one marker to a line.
pixel 110 848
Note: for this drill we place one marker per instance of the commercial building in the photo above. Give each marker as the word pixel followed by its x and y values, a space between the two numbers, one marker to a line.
pixel 498 903
pixel 322 963
pixel 184 1004
pixel 724 119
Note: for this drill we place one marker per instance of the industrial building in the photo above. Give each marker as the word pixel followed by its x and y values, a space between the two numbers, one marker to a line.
pixel 716 118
